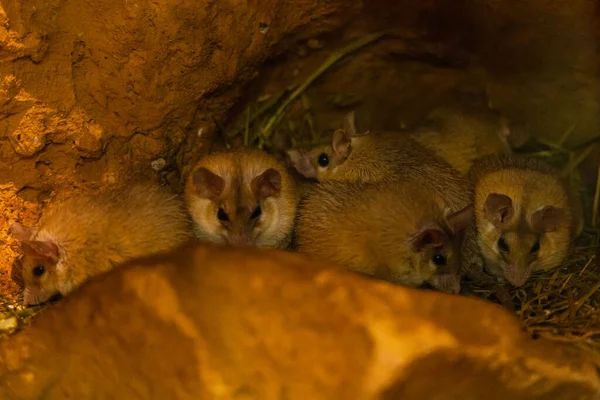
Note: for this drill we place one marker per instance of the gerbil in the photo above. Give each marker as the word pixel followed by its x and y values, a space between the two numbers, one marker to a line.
pixel 461 133
pixel 83 236
pixel 526 216
pixel 398 231
pixel 381 156
pixel 242 197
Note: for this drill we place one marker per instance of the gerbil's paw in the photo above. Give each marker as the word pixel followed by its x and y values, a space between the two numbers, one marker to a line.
pixel 473 270
pixel 448 283
pixel 504 297
pixel 466 289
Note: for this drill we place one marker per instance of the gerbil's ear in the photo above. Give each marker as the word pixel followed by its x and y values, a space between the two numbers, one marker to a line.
pixel 38 248
pixel 548 219
pixel 208 184
pixel 266 184
pixel 302 164
pixel 459 220
pixel 428 237
pixel 498 209
pixel 20 231
pixel 341 143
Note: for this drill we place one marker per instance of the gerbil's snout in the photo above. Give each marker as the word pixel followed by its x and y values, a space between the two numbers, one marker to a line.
pixel 518 275
pixel 243 239
pixel 449 283
pixel 33 296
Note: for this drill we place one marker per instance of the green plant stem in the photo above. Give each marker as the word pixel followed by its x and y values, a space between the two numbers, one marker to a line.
pixel 575 162
pixel 331 60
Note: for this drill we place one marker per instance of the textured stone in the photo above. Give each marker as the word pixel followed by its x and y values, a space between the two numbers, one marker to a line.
pixel 110 71
pixel 217 323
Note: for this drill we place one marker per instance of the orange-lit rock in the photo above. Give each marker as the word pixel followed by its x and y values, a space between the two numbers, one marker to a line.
pixel 217 323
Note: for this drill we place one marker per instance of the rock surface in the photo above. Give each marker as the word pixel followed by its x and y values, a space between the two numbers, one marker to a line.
pixel 92 92
pixel 209 322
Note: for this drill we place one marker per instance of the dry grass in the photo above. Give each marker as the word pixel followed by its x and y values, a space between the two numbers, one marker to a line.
pixel 288 113
pixel 13 315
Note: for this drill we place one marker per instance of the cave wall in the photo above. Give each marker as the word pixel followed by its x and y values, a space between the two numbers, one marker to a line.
pixel 537 61
pixel 92 90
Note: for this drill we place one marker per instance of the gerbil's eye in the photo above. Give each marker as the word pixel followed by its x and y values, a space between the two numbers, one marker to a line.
pixel 439 259
pixel 256 213
pixel 222 215
pixel 323 160
pixel 502 245
pixel 39 270
pixel 536 247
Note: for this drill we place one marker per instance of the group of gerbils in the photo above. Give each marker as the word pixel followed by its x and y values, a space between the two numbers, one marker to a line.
pixel 410 207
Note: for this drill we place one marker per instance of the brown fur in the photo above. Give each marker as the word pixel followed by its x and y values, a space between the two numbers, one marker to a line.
pixel 386 156
pixel 83 236
pixel 523 202
pixel 461 133
pixel 375 228
pixel 251 179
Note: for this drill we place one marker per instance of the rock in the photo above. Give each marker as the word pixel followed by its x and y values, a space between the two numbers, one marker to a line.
pixel 87 136
pixel 8 324
pixel 210 322
pixel 13 45
pixel 30 137
pixel 122 75
pixel 158 164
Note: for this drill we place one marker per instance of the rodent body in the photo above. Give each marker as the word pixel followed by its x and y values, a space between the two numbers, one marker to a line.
pixel 374 157
pixel 526 216
pixel 242 197
pixel 397 231
pixel 83 236
pixel 462 133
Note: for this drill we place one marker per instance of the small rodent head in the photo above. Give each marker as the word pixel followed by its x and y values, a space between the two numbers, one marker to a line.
pixel 38 265
pixel 320 162
pixel 235 211
pixel 437 250
pixel 516 246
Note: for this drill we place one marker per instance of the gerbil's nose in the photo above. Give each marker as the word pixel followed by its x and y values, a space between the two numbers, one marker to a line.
pixel 239 240
pixel 448 283
pixel 518 275
pixel 30 297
